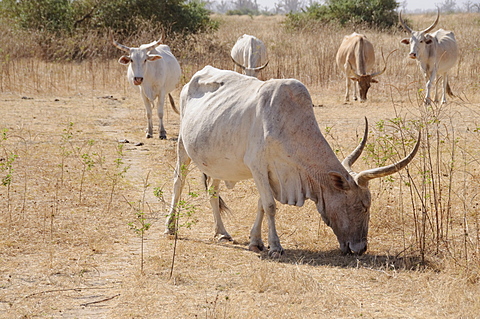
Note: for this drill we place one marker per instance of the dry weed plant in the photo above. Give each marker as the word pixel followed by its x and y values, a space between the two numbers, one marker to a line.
pixel 66 247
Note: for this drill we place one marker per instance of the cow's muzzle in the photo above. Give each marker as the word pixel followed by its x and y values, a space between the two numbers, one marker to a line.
pixel 412 55
pixel 137 80
pixel 348 248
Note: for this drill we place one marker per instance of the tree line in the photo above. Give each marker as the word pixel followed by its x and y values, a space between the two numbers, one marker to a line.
pixel 122 16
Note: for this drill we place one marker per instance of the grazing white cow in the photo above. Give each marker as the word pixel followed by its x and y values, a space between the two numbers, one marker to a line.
pixel 356 57
pixel 235 127
pixel 250 54
pixel 436 53
pixel 153 69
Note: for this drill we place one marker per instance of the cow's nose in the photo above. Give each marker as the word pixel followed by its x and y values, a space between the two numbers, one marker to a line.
pixel 358 248
pixel 413 55
pixel 137 80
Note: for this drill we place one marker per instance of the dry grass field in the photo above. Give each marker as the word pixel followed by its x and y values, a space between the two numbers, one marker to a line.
pixel 73 199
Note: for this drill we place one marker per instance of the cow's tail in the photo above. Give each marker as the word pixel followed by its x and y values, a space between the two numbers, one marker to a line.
pixel 449 90
pixel 172 103
pixel 223 207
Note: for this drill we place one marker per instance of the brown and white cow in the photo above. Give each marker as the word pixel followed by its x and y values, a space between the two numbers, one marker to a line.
pixel 235 127
pixel 436 53
pixel 356 57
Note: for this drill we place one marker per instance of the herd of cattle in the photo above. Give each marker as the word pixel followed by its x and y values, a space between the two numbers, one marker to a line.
pixel 236 127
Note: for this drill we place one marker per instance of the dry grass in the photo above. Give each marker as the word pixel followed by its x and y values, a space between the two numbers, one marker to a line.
pixel 66 255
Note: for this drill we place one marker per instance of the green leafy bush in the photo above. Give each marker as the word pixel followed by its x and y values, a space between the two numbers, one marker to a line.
pixel 49 15
pixel 374 13
pixel 120 16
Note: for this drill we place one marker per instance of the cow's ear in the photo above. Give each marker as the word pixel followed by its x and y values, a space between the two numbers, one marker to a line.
pixel 125 60
pixel 374 81
pixel 153 57
pixel 405 41
pixel 338 181
pixel 353 78
pixel 428 39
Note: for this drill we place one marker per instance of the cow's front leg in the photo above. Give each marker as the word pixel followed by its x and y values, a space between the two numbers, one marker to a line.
pixel 444 94
pixel 266 205
pixel 161 103
pixel 437 83
pixel 275 249
pixel 347 90
pixel 355 85
pixel 148 109
pixel 430 80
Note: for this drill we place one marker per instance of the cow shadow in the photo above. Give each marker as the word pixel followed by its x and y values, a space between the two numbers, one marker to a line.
pixel 335 258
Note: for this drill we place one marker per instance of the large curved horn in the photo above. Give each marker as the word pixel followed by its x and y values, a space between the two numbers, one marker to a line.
pixel 151 45
pixel 434 23
pixel 350 71
pixel 363 177
pixel 405 26
pixel 260 67
pixel 385 62
pixel 243 68
pixel 253 69
pixel 350 159
pixel 121 46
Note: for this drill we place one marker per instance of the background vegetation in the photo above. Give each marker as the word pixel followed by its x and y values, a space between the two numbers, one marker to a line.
pixel 377 14
pixel 75 30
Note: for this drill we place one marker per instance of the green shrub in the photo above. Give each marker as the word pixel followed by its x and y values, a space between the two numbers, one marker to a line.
pixel 374 13
pixel 243 11
pixel 120 16
pixel 48 15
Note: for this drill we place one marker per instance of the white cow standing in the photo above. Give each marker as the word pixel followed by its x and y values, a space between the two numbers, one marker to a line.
pixel 235 127
pixel 436 53
pixel 250 54
pixel 156 72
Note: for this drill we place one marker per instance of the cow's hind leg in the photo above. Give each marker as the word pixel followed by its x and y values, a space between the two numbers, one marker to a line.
pixel 160 104
pixel 256 243
pixel 218 206
pixel 181 171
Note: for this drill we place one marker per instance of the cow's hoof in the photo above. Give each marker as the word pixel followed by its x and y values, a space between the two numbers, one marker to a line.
pixel 224 238
pixel 148 136
pixel 163 137
pixel 169 233
pixel 276 253
pixel 257 247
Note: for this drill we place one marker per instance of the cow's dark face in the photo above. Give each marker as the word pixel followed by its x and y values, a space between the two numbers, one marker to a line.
pixel 364 83
pixel 345 207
